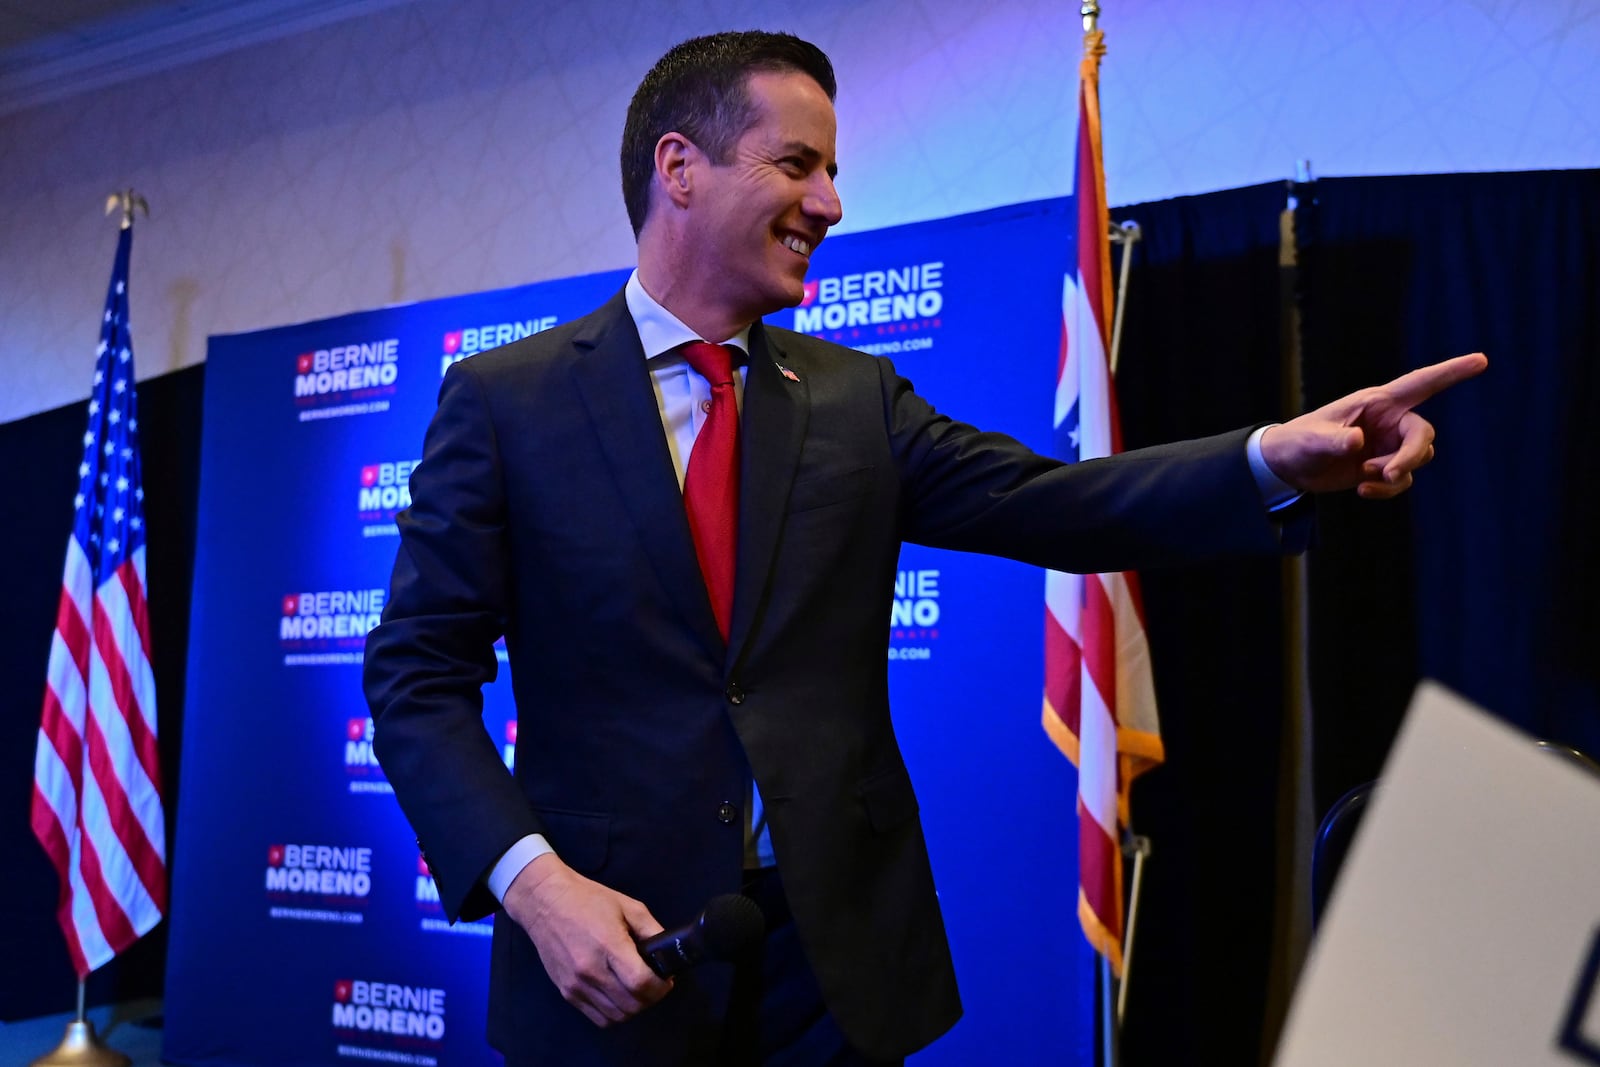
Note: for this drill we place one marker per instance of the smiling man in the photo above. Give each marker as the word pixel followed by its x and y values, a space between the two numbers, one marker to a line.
pixel 728 229
pixel 686 525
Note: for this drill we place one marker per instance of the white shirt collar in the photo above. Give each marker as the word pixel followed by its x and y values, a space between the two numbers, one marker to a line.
pixel 661 331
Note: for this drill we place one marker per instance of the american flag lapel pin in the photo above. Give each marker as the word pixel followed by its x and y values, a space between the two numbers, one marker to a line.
pixel 787 373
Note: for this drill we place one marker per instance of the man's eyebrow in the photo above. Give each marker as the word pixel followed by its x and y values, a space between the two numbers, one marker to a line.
pixel 809 154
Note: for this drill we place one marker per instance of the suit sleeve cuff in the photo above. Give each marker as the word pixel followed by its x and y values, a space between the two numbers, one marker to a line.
pixel 1276 493
pixel 518 856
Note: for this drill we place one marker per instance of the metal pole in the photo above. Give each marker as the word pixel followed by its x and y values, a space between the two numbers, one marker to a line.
pixel 1296 817
pixel 1140 846
pixel 1125 234
pixel 1108 1020
pixel 1111 997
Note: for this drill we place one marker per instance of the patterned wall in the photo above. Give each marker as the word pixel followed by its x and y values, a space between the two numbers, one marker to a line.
pixel 445 147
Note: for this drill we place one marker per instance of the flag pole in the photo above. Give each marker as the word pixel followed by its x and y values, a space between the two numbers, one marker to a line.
pixel 1114 992
pixel 1090 11
pixel 80 1046
pixel 1108 1020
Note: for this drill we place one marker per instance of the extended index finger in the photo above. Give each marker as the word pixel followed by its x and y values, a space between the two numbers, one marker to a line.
pixel 1413 388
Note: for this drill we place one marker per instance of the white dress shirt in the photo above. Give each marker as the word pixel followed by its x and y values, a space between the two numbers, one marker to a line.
pixel 683 399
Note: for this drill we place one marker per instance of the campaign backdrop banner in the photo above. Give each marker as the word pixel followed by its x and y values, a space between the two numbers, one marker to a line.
pixel 305 928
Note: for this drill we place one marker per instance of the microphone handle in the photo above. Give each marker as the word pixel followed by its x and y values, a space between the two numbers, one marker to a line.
pixel 672 952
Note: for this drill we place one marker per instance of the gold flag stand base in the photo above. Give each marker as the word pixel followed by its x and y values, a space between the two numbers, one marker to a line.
pixel 80 1047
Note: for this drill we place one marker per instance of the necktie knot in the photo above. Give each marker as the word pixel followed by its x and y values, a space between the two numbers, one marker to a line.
pixel 712 362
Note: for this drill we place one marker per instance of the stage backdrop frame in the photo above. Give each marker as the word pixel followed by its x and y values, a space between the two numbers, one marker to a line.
pixel 300 906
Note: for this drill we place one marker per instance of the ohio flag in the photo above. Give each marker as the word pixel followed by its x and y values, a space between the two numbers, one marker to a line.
pixel 1099 701
pixel 96 805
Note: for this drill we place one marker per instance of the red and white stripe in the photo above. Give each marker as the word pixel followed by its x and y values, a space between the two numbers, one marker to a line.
pixel 96 804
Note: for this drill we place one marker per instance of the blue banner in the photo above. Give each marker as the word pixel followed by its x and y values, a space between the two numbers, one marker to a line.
pixel 305 929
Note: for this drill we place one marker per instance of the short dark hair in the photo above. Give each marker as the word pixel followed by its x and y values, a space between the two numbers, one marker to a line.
pixel 698 89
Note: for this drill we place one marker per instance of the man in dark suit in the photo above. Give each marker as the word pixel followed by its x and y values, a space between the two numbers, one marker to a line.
pixel 690 549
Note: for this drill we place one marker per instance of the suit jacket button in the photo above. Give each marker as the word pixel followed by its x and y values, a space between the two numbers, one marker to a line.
pixel 734 694
pixel 726 813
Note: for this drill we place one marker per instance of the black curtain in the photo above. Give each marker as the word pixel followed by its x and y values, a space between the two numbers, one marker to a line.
pixel 1200 354
pixel 37 482
pixel 1484 577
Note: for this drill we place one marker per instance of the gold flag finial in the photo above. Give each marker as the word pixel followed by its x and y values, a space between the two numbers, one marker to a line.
pixel 1091 15
pixel 128 201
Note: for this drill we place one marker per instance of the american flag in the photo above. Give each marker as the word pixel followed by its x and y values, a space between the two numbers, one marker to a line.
pixel 1099 700
pixel 97 778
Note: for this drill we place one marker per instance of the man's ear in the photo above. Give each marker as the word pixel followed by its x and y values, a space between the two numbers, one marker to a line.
pixel 676 157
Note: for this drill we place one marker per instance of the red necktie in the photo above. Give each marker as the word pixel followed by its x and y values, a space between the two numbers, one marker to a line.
pixel 711 484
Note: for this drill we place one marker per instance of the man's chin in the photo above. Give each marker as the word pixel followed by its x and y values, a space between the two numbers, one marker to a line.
pixel 785 292
pixel 787 297
pixel 795 294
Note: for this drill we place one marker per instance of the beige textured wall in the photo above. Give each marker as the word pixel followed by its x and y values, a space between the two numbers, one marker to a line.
pixel 445 147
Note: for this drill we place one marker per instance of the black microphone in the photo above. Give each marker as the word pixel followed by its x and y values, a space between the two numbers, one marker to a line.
pixel 730 926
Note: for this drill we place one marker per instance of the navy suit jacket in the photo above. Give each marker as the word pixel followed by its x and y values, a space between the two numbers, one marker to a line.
pixel 546 509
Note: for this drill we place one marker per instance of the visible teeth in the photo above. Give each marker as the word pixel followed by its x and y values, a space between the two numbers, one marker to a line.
pixel 795 244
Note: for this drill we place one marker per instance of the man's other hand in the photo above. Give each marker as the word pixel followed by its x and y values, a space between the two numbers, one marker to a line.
pixel 586 936
pixel 1371 440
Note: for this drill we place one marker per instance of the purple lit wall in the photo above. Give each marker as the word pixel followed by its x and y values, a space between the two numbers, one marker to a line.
pixel 427 149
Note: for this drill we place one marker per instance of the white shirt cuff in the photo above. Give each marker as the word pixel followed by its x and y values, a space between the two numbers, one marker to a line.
pixel 1275 492
pixel 517 857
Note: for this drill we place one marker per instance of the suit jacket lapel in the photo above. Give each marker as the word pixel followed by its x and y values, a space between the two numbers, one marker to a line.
pixel 772 429
pixel 614 383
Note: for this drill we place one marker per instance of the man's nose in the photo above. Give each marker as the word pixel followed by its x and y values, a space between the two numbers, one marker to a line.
pixel 823 201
